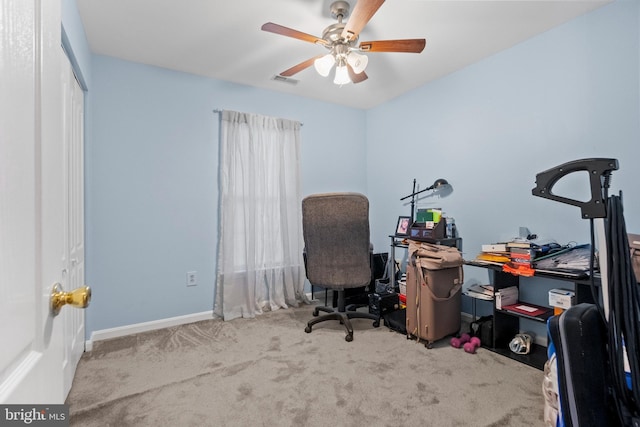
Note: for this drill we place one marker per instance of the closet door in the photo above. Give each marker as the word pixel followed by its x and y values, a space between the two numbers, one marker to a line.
pixel 73 273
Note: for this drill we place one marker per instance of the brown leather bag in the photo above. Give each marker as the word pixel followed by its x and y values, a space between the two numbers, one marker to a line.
pixel 435 257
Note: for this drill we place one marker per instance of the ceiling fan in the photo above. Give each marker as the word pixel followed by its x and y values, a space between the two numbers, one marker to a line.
pixel 342 41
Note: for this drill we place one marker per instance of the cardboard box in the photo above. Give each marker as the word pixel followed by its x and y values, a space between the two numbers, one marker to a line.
pixel 506 296
pixel 562 298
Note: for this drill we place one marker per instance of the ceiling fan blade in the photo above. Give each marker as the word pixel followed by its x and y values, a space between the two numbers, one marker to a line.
pixel 299 67
pixel 356 78
pixel 290 32
pixel 362 13
pixel 409 45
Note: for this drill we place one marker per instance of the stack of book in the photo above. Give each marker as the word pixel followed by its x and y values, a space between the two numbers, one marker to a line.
pixel 521 257
pixel 494 253
pixel 495 247
pixel 522 244
pixel 521 253
pixel 506 247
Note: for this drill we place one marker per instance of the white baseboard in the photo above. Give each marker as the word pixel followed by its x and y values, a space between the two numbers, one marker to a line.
pixel 121 331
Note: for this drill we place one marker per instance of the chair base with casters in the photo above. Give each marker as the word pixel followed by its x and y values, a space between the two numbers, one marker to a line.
pixel 342 314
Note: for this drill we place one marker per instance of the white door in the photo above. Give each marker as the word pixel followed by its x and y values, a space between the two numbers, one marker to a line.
pixel 73 273
pixel 32 202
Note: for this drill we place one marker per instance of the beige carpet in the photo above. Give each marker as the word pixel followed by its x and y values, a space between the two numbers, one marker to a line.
pixel 268 372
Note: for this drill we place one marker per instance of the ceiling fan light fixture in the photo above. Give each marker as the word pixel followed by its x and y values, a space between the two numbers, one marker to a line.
pixel 357 61
pixel 342 75
pixel 342 40
pixel 323 65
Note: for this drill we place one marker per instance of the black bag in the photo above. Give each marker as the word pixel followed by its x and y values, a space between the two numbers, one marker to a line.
pixel 483 329
pixel 396 320
pixel 381 303
pixel 579 337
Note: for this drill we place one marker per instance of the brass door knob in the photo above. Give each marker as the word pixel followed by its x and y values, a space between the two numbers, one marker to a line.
pixel 78 298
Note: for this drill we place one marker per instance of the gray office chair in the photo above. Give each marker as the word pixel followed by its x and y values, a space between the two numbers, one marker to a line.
pixel 337 251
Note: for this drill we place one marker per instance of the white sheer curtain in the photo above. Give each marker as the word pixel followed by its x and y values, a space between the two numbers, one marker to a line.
pixel 260 264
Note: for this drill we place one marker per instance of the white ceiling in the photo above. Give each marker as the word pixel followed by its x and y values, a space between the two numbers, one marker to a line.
pixel 223 40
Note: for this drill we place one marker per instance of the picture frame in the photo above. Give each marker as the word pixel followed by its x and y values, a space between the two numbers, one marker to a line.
pixel 403 225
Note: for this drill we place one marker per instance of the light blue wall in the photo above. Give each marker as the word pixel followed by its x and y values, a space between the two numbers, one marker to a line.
pixel 567 94
pixel 151 154
pixel 153 182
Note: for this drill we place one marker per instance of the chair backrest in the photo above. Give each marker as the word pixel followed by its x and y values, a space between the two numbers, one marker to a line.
pixel 336 236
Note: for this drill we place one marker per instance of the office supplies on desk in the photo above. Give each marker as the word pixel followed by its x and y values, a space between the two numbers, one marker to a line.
pixel 518 269
pixel 428 215
pixel 493 257
pixel 428 230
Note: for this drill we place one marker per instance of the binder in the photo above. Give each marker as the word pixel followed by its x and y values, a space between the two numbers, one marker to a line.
pixel 527 309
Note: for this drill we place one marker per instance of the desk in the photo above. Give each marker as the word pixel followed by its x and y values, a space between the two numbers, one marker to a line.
pixel 506 324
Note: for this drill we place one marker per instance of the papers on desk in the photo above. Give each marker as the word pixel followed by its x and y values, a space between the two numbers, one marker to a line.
pixel 574 259
pixel 484 292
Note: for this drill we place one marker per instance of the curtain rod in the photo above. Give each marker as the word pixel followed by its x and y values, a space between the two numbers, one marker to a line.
pixel 218 110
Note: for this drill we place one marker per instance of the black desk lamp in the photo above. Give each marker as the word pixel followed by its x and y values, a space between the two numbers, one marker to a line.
pixel 440 187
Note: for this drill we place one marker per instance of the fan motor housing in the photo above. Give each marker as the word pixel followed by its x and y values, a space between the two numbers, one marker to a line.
pixel 333 32
pixel 333 35
pixel 339 9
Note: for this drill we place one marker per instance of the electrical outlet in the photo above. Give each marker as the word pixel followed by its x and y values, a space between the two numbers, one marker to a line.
pixel 192 278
